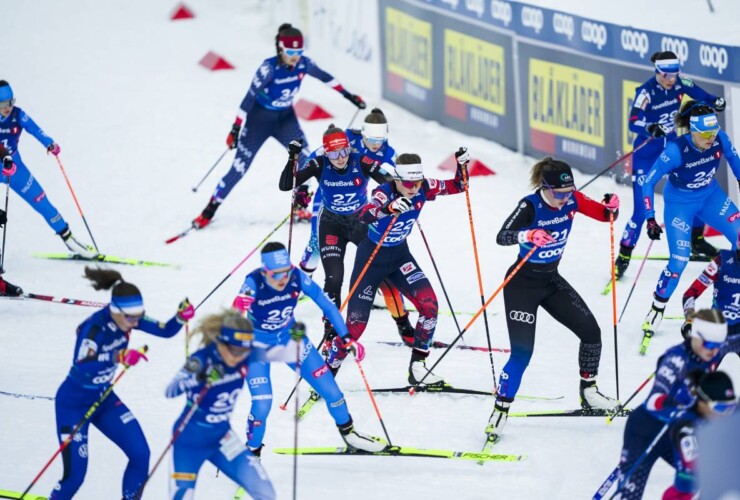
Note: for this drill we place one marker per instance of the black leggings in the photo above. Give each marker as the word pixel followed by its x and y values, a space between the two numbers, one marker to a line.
pixel 529 290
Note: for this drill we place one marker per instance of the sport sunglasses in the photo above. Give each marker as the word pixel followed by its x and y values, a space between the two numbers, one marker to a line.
pixel 334 155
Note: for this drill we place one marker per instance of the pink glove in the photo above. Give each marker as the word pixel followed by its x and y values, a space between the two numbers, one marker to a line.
pixel 611 202
pixel 243 302
pixel 185 311
pixel 539 237
pixel 130 357
pixel 54 149
pixel 357 349
pixel 9 167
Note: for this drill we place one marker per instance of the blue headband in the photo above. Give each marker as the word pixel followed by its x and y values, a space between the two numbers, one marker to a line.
pixel 667 66
pixel 132 305
pixel 277 259
pixel 704 123
pixel 239 338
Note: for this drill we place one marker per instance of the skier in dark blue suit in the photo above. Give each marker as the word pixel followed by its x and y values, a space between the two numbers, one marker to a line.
pixel 654 109
pixel 267 111
pixel 13 121
pixel 102 343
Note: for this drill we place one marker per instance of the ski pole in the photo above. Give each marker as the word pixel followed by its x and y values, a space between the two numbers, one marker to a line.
pixel 292 207
pixel 480 280
pixel 183 423
pixel 79 425
pixel 346 299
pixel 195 188
pixel 615 163
pixel 297 408
pixel 74 197
pixel 607 484
pixel 642 264
pixel 353 118
pixel 5 226
pixel 372 398
pixel 622 406
pixel 614 298
pixel 243 261
pixel 513 272
pixel 653 443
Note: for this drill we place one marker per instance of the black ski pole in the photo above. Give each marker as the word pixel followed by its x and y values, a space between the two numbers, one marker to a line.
pixel 5 226
pixel 195 189
pixel 615 163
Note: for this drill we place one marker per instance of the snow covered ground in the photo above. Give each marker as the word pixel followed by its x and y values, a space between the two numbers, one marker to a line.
pixel 139 122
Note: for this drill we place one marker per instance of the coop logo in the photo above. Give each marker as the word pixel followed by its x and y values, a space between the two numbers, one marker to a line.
pixel 533 18
pixel 501 11
pixel 477 6
pixel 635 41
pixel 677 46
pixel 594 33
pixel 564 25
pixel 713 57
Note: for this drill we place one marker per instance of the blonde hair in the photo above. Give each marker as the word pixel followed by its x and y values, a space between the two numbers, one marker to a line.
pixel 709 315
pixel 210 326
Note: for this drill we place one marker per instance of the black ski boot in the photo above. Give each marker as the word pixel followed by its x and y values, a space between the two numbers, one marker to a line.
pixel 623 260
pixel 701 249
pixel 9 289
pixel 207 214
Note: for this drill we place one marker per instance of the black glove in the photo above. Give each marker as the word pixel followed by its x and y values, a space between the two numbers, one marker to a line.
pixel 298 331
pixel 295 147
pixel 211 374
pixel 397 206
pixel 653 229
pixel 355 99
pixel 686 328
pixel 3 217
pixel 233 136
pixel 719 104
pixel 302 197
pixel 656 130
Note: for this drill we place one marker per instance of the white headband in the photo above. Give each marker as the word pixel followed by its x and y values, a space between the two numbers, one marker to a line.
pixel 375 130
pixel 708 331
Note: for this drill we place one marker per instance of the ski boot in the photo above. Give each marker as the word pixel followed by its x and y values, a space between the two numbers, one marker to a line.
pixel 498 418
pixel 652 322
pixel 405 330
pixel 357 441
pixel 418 370
pixel 701 249
pixel 592 399
pixel 207 214
pixel 9 289
pixel 257 452
pixel 77 248
pixel 623 260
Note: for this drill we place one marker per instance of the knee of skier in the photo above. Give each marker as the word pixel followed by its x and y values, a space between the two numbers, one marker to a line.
pixel 138 454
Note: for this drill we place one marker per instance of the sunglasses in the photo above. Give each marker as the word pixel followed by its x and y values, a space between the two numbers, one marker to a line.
pixel 237 351
pixel 706 344
pixel 411 184
pixel 669 76
pixel 334 155
pixel 279 275
pixel 560 196
pixel 720 407
pixel 7 104
pixel 375 141
pixel 709 134
pixel 133 319
pixel 293 52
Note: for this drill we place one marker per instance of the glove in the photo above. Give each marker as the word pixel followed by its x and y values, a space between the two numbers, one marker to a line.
pixel 298 331
pixel 355 99
pixel 685 395
pixel 397 206
pixel 341 347
pixel 656 130
pixel 719 104
pixel 611 205
pixel 130 357
pixel 3 217
pixel 539 237
pixel 302 197
pixel 233 137
pixel 462 156
pixel 243 302
pixel 686 328
pixel 185 312
pixel 295 147
pixel 8 166
pixel 211 375
pixel 54 149
pixel 653 229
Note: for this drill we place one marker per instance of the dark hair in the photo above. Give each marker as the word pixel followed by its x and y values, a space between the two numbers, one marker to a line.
pixel 4 83
pixel 332 129
pixel 285 29
pixel 693 108
pixel 376 116
pixel 537 173
pixel 408 159
pixel 661 56
pixel 105 279
pixel 272 246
